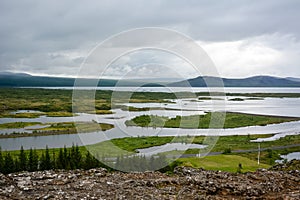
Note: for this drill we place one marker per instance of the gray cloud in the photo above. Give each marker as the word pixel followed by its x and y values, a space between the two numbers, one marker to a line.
pixel 52 37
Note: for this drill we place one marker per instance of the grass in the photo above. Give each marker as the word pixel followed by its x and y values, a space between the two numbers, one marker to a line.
pixel 37 114
pixel 20 115
pixel 58 103
pixel 58 129
pixel 210 120
pixel 227 163
pixel 60 114
pixel 237 99
pixel 269 156
pixel 104 112
pixel 17 125
pixel 255 98
pixel 208 98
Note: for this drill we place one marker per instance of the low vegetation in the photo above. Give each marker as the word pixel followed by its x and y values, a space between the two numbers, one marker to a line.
pixel 232 120
pixel 56 128
pixel 17 125
pixel 229 163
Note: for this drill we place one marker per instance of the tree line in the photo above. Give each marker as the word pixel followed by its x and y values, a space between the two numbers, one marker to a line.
pixel 72 158
pixel 66 158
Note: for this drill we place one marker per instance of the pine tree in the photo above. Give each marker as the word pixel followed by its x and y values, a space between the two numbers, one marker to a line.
pixel 60 161
pixel 66 158
pixel 1 161
pixel 22 162
pixel 77 157
pixel 54 162
pixel 42 162
pixel 45 161
pixel 33 160
pixel 90 161
pixel 9 165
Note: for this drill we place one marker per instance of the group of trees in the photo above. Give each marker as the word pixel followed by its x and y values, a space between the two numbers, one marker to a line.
pixel 66 158
pixel 72 158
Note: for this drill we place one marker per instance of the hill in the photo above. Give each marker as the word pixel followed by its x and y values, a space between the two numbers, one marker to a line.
pixel 255 81
pixel 8 79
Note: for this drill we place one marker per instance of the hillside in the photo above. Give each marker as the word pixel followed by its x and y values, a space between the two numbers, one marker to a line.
pixel 255 81
pixel 8 79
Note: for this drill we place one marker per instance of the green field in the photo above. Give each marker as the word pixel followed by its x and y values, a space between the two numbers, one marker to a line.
pixel 232 120
pixel 58 102
pixel 229 163
pixel 125 146
pixel 55 128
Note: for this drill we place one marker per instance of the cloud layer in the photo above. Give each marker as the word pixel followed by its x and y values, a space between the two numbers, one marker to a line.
pixel 243 38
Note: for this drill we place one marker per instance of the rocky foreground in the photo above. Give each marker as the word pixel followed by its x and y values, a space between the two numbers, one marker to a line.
pixel 185 183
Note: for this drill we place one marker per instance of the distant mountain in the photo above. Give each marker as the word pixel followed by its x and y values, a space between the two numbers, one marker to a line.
pixel 13 74
pixel 8 79
pixel 293 79
pixel 255 81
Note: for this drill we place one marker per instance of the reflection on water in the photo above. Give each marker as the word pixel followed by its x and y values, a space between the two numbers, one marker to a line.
pixel 289 157
pixel 276 136
pixel 148 152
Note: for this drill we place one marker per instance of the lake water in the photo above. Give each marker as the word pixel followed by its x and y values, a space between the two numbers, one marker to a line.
pixel 267 106
pixel 187 89
pixel 289 157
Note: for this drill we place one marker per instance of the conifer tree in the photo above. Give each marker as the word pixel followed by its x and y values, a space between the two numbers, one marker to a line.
pixel 33 160
pixel 60 161
pixel 22 162
pixel 9 165
pixel 45 161
pixel 1 161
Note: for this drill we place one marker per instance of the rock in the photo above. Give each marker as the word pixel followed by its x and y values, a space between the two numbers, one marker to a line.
pixel 185 183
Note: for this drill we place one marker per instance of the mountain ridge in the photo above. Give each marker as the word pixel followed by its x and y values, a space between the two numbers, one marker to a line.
pixel 9 79
pixel 253 81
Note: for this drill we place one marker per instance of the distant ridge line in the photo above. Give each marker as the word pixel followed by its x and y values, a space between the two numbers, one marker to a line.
pixel 8 79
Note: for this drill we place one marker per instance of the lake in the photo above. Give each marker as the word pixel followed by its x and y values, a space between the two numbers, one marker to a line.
pixel 187 89
pixel 184 107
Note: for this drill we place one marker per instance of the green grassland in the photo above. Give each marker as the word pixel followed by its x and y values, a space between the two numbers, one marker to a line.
pixel 55 128
pixel 232 120
pixel 56 102
pixel 227 163
pixel 17 125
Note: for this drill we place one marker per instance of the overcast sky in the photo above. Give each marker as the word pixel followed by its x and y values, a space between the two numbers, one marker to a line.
pixel 243 38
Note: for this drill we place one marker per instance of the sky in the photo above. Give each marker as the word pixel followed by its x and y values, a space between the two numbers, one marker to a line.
pixel 242 37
